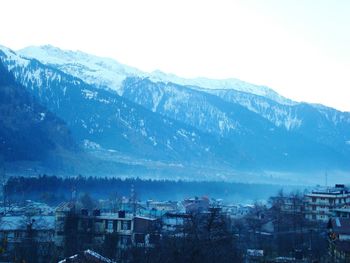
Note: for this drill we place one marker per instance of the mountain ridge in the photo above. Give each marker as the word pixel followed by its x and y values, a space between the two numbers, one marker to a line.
pixel 101 118
pixel 237 129
pixel 102 75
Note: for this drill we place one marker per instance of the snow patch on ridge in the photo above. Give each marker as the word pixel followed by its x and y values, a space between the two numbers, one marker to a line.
pixel 108 73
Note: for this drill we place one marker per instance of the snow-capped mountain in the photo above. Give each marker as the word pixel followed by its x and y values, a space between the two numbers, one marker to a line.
pixel 221 84
pixel 103 72
pixel 265 129
pixel 101 119
pixel 316 122
pixel 109 73
pixel 163 117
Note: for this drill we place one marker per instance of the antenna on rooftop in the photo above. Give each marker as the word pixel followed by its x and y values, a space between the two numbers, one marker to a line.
pixel 326 178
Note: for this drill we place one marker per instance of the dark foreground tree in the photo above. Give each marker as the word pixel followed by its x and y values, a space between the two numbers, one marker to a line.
pixel 206 237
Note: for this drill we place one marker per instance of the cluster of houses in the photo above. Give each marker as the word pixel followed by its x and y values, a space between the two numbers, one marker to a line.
pixel 52 230
pixel 136 224
pixel 323 212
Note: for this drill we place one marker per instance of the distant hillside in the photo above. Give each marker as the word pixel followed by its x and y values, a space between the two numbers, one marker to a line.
pixel 28 131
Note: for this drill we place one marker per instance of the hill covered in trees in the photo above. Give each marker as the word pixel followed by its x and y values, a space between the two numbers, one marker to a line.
pixel 28 131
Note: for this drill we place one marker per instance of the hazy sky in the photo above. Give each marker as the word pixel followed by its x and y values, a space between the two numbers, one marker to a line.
pixel 300 48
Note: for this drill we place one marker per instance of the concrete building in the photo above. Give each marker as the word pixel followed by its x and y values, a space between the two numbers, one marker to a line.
pixel 23 234
pixel 320 203
pixel 93 228
pixel 196 205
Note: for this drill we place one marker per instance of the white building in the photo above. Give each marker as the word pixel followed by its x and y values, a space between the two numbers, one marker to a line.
pixel 320 203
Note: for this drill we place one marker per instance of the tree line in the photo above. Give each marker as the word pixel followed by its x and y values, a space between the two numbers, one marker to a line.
pixel 53 189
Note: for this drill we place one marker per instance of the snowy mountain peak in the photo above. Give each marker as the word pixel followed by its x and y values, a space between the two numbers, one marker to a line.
pixel 12 59
pixel 6 50
pixel 108 73
pixel 103 72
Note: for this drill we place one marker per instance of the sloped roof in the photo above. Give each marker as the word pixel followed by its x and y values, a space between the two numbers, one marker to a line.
pixel 12 223
pixel 340 225
pixel 88 256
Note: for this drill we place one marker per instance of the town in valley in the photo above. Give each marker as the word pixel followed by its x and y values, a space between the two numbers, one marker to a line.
pixel 310 225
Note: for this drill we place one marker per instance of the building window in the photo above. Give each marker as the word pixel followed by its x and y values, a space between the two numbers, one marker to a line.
pixel 126 225
pixel 110 225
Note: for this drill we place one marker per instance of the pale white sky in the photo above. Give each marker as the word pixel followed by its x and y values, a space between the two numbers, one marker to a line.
pixel 300 48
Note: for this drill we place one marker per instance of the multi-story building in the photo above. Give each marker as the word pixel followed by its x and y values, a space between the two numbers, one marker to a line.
pixel 320 203
pixel 93 228
pixel 23 234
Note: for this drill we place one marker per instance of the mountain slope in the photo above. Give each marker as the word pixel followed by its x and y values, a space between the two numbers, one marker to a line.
pixel 101 119
pixel 102 72
pixel 272 134
pixel 231 123
pixel 319 123
pixel 28 131
pixel 270 146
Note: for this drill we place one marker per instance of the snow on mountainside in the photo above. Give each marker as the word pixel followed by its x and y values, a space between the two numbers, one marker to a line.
pixel 221 84
pixel 13 59
pixel 159 120
pixel 317 122
pixel 28 130
pixel 108 73
pixel 100 119
pixel 279 114
pixel 268 131
pixel 103 72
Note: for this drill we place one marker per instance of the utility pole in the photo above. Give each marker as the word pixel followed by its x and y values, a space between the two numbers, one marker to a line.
pixel 133 200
